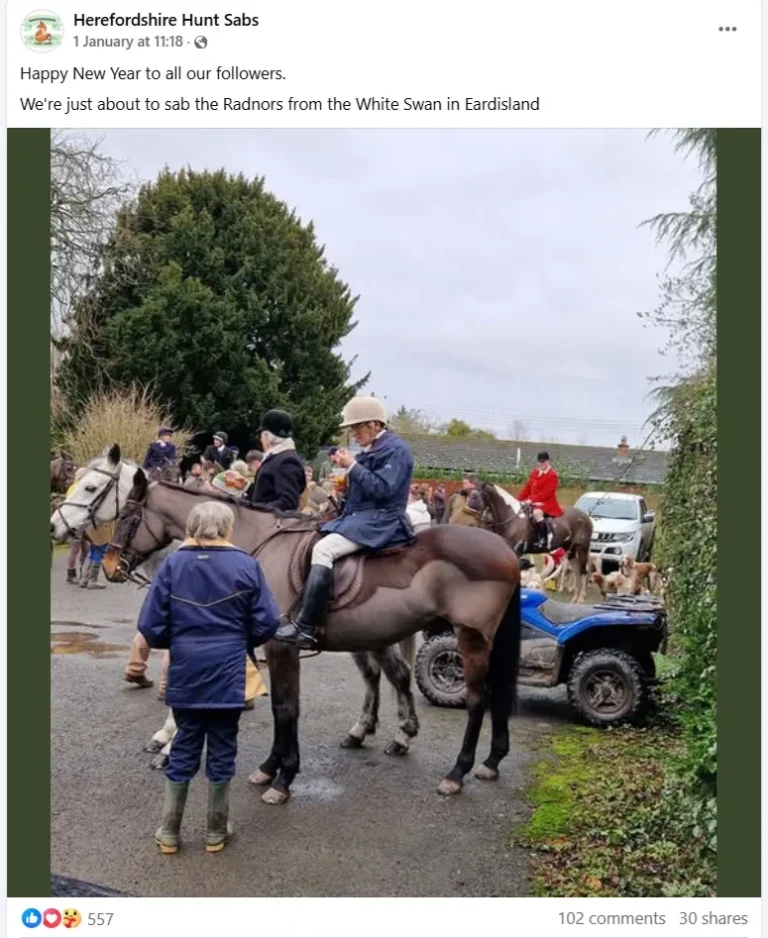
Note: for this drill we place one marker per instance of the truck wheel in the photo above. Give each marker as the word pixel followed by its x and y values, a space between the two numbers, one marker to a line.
pixel 607 687
pixel 440 673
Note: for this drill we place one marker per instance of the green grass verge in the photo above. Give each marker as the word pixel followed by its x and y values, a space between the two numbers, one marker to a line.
pixel 609 818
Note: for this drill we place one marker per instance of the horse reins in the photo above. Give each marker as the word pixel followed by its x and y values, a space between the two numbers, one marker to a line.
pixel 130 559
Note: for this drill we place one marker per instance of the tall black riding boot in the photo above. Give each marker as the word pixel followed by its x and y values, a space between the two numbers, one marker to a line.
pixel 542 534
pixel 301 631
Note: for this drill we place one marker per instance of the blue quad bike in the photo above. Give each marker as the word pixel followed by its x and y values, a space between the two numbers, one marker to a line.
pixel 602 653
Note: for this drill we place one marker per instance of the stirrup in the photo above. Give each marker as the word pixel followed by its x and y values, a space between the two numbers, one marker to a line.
pixel 292 632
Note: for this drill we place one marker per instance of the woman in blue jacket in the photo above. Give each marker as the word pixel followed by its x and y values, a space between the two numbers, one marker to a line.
pixel 211 606
pixel 374 514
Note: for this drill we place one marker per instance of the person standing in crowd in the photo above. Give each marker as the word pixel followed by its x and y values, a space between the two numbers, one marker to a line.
pixel 253 460
pixel 458 500
pixel 218 453
pixel 280 480
pixel 309 474
pixel 161 452
pixel 196 480
pixel 211 606
pixel 438 503
pixel 78 546
pixel 417 510
pixel 99 538
pixel 233 481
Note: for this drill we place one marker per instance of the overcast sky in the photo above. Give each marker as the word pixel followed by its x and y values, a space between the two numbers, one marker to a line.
pixel 499 271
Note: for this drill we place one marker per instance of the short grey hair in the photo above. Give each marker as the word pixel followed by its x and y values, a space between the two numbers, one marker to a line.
pixel 210 520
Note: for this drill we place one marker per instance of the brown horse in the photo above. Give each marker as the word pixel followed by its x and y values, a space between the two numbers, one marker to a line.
pixel 170 472
pixel 468 578
pixel 63 471
pixel 572 531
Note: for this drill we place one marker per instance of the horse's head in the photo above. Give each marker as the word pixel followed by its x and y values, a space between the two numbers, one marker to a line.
pixel 500 509
pixel 136 537
pixel 496 502
pixel 170 472
pixel 98 497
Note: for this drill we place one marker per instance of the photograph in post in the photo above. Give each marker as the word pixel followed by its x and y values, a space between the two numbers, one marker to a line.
pixel 454 391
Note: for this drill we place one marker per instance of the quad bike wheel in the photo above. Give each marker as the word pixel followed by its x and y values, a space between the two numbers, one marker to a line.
pixel 440 673
pixel 607 687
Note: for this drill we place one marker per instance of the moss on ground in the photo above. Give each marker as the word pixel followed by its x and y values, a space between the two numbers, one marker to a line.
pixel 607 821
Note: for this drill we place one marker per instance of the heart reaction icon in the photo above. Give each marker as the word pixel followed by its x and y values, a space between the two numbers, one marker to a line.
pixel 51 918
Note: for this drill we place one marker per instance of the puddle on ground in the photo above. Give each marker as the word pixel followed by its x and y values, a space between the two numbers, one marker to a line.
pixel 65 623
pixel 78 643
pixel 316 789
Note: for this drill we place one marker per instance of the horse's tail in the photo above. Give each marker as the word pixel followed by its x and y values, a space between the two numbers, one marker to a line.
pixel 505 656
pixel 408 651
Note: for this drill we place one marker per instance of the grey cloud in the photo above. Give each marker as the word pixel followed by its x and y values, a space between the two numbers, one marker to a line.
pixel 499 272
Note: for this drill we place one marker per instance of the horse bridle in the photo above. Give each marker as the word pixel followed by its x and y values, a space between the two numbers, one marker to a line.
pixel 93 507
pixel 493 525
pixel 128 559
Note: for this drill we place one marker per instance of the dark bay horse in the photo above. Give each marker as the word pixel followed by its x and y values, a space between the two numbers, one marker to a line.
pixel 504 515
pixel 170 472
pixel 63 472
pixel 466 577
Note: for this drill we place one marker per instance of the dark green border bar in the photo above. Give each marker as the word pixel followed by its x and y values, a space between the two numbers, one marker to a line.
pixel 27 577
pixel 739 534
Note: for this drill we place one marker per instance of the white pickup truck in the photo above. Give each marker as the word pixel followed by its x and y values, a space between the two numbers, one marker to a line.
pixel 622 525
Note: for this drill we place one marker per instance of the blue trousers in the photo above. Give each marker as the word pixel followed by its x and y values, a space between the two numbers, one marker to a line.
pixel 96 554
pixel 217 730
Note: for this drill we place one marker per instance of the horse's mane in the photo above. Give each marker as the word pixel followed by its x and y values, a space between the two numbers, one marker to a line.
pixel 508 499
pixel 231 500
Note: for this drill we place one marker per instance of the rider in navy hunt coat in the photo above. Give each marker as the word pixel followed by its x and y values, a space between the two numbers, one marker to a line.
pixel 160 452
pixel 211 606
pixel 374 514
pixel 281 479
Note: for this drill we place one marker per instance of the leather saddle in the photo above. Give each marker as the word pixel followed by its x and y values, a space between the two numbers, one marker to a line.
pixel 348 573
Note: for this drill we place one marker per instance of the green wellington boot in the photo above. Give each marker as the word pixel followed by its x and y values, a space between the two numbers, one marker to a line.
pixel 219 831
pixel 167 835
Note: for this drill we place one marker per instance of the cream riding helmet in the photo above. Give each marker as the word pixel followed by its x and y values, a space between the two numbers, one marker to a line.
pixel 363 410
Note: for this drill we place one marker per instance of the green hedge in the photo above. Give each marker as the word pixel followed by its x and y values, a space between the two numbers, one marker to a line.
pixel 689 505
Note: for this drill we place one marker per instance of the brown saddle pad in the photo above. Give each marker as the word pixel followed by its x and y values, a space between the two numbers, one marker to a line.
pixel 348 573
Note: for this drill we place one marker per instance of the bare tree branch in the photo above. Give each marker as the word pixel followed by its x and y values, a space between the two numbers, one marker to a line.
pixel 87 190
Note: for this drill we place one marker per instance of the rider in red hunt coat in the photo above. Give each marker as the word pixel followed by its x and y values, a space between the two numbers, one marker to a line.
pixel 541 491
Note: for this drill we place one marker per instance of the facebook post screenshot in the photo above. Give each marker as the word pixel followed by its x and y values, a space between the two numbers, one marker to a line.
pixel 401 393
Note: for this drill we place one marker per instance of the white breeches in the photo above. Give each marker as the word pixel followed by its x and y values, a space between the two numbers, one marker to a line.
pixel 331 548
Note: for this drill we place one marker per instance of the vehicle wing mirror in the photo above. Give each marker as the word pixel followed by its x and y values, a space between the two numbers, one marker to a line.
pixel 649 516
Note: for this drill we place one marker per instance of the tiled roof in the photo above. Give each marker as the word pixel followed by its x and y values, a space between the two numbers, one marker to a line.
pixel 595 463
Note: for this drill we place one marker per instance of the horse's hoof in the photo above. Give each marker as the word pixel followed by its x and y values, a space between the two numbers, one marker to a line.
pixel 449 787
pixel 351 742
pixel 159 762
pixel 260 778
pixel 153 746
pixel 274 796
pixel 486 774
pixel 396 749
